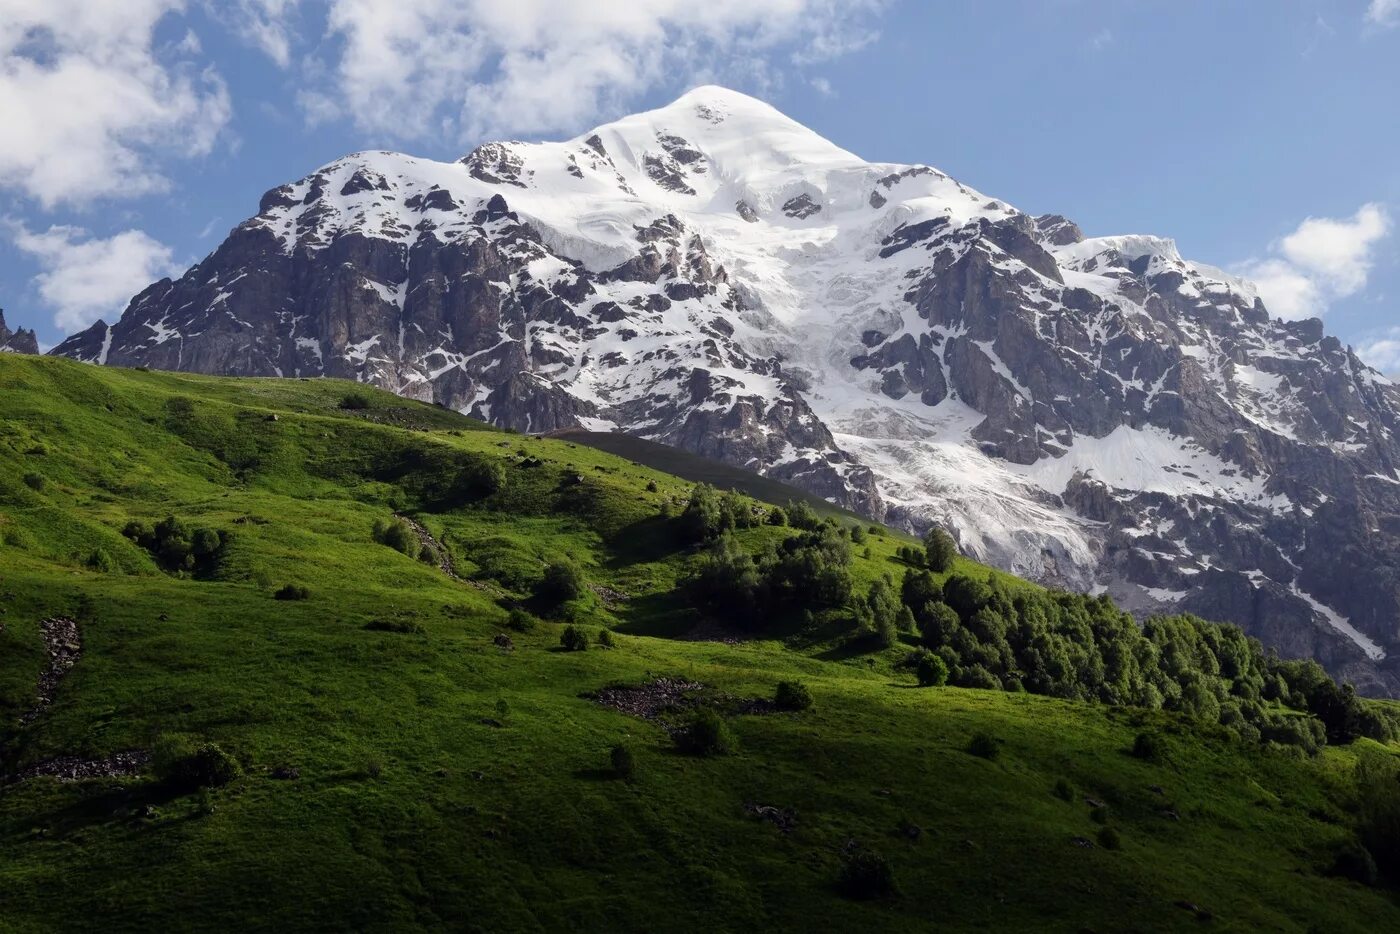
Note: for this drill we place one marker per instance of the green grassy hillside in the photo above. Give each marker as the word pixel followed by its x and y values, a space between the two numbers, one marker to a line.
pixel 412 754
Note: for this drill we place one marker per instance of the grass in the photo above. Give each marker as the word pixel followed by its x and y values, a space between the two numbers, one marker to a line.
pixel 416 804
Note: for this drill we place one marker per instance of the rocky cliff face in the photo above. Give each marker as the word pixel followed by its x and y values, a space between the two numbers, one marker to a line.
pixel 1096 413
pixel 21 341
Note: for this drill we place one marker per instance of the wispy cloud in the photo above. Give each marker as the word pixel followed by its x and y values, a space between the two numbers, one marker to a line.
pixel 91 107
pixel 1101 39
pixel 1383 13
pixel 429 68
pixel 1324 259
pixel 84 278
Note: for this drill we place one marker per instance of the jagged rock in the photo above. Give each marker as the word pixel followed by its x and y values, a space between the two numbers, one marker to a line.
pixel 20 341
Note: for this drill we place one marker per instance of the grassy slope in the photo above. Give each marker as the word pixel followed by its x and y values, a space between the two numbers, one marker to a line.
pixel 409 810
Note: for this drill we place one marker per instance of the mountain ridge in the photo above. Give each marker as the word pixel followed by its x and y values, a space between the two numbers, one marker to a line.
pixel 1097 413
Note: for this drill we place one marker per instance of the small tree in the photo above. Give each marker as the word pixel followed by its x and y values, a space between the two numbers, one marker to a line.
pixel 624 763
pixel 606 640
pixel 776 516
pixel 865 875
pixel 706 735
pixel 573 639
pixel 931 670
pixel 792 695
pixel 984 745
pixel 561 583
pixel 940 550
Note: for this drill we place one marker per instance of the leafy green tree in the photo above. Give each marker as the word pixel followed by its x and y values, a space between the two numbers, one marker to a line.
pixel 940 549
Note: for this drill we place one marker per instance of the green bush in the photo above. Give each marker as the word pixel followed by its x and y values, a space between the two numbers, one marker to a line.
pixel 931 670
pixel 1378 811
pixel 606 640
pixel 706 734
pixel 1099 814
pixel 866 875
pixel 520 621
pixel 984 745
pixel 398 535
pixel 776 516
pixel 624 763
pixel 355 399
pixel 792 695
pixel 562 582
pixel 1149 747
pixel 292 592
pixel 187 764
pixel 403 626
pixel 1063 789
pixel 573 639
pixel 939 550
pixel 1109 839
pixel 800 515
pixel 35 482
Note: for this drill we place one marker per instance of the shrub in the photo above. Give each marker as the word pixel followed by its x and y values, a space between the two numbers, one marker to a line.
pixel 858 535
pixel 404 626
pixel 865 875
pixel 706 734
pixel 573 639
pixel 35 482
pixel 651 486
pixel 1148 747
pixel 792 695
pixel 292 592
pixel 1063 789
pixel 800 515
pixel 1378 811
pixel 776 516
pixel 984 745
pixel 520 621
pixel 1099 814
pixel 1109 839
pixel 624 763
pixel 1353 861
pixel 931 670
pixel 606 640
pixel 99 560
pixel 561 583
pixel 355 399
pixel 188 765
pixel 940 550
pixel 398 535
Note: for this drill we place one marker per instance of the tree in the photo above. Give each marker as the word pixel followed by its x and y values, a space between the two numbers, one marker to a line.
pixel 561 583
pixel 702 520
pixel 573 639
pixel 931 670
pixel 940 550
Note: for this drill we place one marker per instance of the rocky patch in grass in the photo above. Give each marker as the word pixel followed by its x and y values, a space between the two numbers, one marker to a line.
pixel 76 768
pixel 782 818
pixel 64 645
pixel 649 701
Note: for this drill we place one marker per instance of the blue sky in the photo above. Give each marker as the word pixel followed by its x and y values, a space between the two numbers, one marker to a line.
pixel 1262 136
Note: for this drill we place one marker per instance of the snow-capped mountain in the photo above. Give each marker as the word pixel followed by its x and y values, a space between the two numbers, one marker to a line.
pixel 1098 413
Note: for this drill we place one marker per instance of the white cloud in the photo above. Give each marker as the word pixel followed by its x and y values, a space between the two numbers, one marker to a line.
pixel 471 68
pixel 1382 351
pixel 88 104
pixel 1101 39
pixel 1383 12
pixel 84 278
pixel 1324 259
pixel 265 24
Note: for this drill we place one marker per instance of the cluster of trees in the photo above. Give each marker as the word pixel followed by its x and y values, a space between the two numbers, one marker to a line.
pixel 177 547
pixel 1085 648
pixel 981 632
